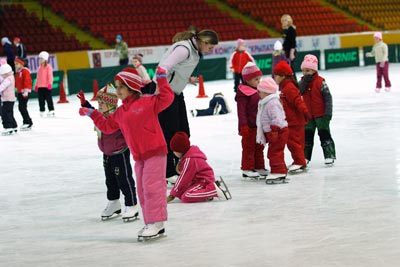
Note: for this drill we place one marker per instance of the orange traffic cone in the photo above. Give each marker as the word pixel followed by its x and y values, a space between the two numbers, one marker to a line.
pixel 63 96
pixel 95 90
pixel 202 93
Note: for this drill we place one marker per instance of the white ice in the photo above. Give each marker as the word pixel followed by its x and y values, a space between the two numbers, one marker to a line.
pixel 52 192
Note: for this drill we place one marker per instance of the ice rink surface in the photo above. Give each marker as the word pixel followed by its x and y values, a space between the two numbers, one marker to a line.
pixel 52 192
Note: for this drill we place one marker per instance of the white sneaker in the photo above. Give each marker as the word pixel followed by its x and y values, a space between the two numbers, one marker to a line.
pixel 42 114
pixel 274 176
pixel 387 89
pixel 172 179
pixel 329 161
pixel 51 113
pixel 262 172
pixel 295 167
pixel 250 174
pixel 113 206
pixel 130 212
pixel 152 230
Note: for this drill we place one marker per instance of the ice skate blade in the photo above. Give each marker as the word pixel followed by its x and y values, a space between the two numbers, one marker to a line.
pixel 222 185
pixel 298 171
pixel 105 218
pixel 131 219
pixel 9 133
pixel 160 235
pixel 276 181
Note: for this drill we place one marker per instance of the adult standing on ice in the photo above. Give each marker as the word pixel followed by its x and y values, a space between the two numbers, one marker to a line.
pixel 180 60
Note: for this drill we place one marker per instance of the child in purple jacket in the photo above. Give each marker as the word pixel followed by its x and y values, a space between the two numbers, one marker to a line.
pixel 196 181
pixel 116 160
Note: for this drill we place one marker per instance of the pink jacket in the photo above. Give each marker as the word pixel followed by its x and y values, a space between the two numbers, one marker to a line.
pixel 111 144
pixel 193 169
pixel 44 76
pixel 7 86
pixel 138 120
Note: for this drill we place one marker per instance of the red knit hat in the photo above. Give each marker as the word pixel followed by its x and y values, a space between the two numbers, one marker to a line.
pixel 250 71
pixel 17 39
pixel 180 142
pixel 19 60
pixel 130 78
pixel 283 69
pixel 109 95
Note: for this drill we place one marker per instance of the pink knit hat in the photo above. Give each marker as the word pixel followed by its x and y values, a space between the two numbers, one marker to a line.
pixel 268 85
pixel 378 35
pixel 250 71
pixel 130 78
pixel 240 42
pixel 310 62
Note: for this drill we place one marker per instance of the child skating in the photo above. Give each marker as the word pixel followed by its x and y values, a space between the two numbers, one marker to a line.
pixel 116 159
pixel 196 180
pixel 23 83
pixel 7 85
pixel 239 58
pixel 137 119
pixel 44 85
pixel 318 99
pixel 381 53
pixel 272 127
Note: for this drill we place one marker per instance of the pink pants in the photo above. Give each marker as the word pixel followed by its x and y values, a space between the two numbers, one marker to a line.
pixel 151 188
pixel 199 191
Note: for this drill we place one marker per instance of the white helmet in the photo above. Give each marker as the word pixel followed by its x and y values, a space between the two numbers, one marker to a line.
pixel 5 68
pixel 278 45
pixel 44 55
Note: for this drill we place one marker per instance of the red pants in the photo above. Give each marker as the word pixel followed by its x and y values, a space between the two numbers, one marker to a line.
pixel 252 153
pixel 276 155
pixel 198 192
pixel 295 144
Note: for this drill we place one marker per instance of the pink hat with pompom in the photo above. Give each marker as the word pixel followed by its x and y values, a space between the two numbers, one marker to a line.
pixel 378 35
pixel 240 42
pixel 310 62
pixel 267 85
pixel 250 71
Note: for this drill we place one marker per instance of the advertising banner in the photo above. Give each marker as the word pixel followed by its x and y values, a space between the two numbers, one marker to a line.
pixel 340 58
pixel 33 63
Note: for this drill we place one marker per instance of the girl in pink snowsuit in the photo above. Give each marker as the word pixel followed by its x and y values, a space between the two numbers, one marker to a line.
pixel 137 119
pixel 196 181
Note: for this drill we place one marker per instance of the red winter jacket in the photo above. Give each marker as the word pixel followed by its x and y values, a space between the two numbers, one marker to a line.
pixel 313 97
pixel 247 105
pixel 239 59
pixel 138 120
pixel 193 169
pixel 23 80
pixel 293 104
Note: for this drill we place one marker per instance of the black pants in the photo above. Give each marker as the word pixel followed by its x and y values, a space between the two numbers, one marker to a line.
pixel 211 109
pixel 44 94
pixel 237 80
pixel 149 88
pixel 23 109
pixel 118 172
pixel 7 115
pixel 173 119
pixel 123 62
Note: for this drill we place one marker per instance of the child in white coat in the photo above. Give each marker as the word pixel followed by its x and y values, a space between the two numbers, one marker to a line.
pixel 272 127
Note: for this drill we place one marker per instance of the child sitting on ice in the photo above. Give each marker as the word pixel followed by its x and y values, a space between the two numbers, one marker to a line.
pixel 196 181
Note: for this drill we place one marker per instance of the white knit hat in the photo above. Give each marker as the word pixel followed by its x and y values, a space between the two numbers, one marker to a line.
pixel 44 55
pixel 5 68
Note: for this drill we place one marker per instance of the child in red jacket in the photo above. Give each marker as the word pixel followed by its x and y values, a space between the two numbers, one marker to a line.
pixel 137 119
pixel 196 181
pixel 296 114
pixel 23 83
pixel 253 165
pixel 116 159
pixel 238 60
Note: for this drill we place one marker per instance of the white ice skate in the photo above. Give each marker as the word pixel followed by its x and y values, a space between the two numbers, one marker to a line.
pixel 113 207
pixel 51 114
pixel 329 161
pixel 387 89
pixel 151 231
pixel 130 213
pixel 172 179
pixel 378 90
pixel 9 131
pixel 262 172
pixel 42 114
pixel 274 178
pixel 26 127
pixel 250 174
pixel 294 168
